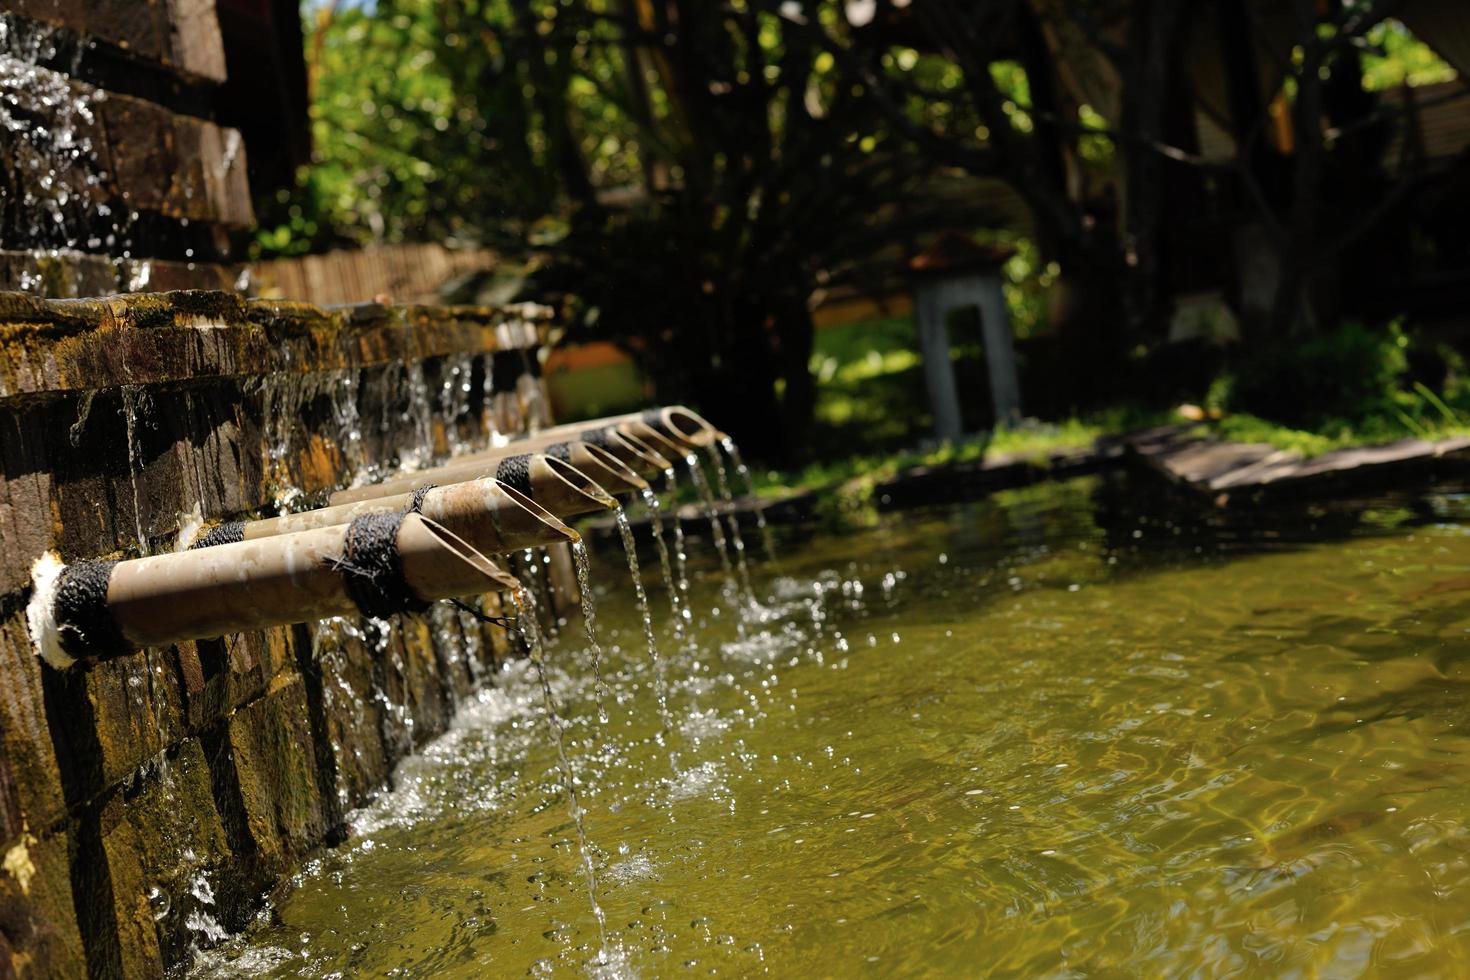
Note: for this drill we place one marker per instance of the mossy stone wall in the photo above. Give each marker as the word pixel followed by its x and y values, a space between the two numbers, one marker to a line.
pixel 129 790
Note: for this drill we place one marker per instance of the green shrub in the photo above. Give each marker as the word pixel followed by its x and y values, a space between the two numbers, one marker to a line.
pixel 1351 374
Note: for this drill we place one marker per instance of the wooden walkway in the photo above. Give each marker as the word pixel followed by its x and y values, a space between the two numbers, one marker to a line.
pixel 1226 470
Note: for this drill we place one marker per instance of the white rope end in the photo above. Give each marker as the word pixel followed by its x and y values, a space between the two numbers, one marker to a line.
pixel 41 611
pixel 191 522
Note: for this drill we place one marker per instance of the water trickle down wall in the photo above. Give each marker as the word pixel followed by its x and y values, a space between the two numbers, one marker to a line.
pixel 148 803
pixel 113 175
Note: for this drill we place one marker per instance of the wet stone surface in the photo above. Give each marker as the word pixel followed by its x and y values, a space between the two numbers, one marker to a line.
pixel 228 758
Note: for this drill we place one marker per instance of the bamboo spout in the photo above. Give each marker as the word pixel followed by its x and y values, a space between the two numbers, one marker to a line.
pixel 636 454
pixel 378 565
pixel 679 427
pixel 602 466
pixel 558 483
pixel 683 425
pixel 654 439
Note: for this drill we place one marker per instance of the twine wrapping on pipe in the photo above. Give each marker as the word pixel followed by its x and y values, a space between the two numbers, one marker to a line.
pixel 416 505
pixel 68 617
pixel 515 472
pixel 226 533
pixel 597 437
pixel 372 569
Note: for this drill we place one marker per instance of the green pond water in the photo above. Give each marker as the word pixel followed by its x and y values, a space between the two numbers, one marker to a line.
pixel 1066 731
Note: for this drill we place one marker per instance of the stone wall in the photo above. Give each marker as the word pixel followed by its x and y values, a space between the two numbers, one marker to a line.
pixel 151 798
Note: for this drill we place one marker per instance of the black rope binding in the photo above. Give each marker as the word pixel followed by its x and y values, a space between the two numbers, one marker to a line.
pixel 515 472
pixel 597 437
pixel 85 625
pixel 561 451
pixel 505 370
pixel 228 533
pixel 372 569
pixel 416 505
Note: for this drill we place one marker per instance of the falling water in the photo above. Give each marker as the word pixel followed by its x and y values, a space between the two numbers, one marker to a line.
pixel 732 519
pixel 681 553
pixel 454 400
pixel 49 122
pixel 589 624
pixel 418 414
pixel 135 402
pixel 349 426
pixel 527 623
pixel 660 686
pixel 676 600
pixel 716 531
pixel 281 402
pixel 743 471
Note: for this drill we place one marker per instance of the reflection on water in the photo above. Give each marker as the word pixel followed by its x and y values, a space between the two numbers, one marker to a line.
pixel 1060 732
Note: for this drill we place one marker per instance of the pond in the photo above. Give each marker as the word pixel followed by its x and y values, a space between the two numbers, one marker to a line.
pixel 1067 730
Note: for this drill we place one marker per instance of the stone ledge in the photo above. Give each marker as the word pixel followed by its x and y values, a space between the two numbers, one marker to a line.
pixel 59 346
pixel 181 34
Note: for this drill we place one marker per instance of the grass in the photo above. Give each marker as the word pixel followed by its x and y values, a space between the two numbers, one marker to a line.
pixel 1417 414
pixel 873 421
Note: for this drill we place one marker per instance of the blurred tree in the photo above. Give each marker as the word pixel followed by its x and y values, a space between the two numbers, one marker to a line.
pixel 1306 182
pixel 763 178
pixel 694 174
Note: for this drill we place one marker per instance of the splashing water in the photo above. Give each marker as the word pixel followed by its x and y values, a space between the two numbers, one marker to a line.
pixel 50 122
pixel 589 624
pixel 660 684
pixel 527 623
pixel 743 471
pixel 676 600
pixel 732 519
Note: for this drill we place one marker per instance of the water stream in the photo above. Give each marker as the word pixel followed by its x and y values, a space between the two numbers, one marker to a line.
pixel 589 624
pixel 530 631
pixel 1069 730
pixel 732 518
pixel 680 618
pixel 645 613
pixel 722 547
pixel 681 551
pixel 743 471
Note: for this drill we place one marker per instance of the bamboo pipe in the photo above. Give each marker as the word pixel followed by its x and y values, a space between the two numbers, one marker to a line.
pixel 582 497
pixel 676 423
pixel 378 565
pixel 593 474
pixel 490 516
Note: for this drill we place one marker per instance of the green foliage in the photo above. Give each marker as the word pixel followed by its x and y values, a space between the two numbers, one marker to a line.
pixel 1352 386
pixel 429 123
pixel 1397 58
pixel 1350 373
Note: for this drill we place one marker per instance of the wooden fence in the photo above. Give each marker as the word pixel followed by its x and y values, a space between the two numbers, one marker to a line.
pixel 403 273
